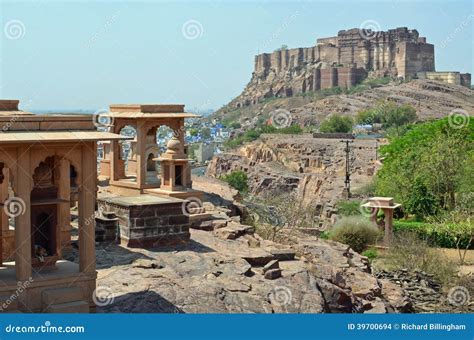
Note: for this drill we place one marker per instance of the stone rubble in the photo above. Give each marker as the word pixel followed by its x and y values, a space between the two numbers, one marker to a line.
pixel 423 290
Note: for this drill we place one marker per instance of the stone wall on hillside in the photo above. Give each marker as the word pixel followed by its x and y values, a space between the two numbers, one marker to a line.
pixel 340 61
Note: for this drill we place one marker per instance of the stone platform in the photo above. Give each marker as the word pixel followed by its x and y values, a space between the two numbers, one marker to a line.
pixel 148 221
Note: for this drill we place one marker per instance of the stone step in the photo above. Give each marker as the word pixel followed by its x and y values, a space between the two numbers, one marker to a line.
pixel 201 216
pixel 204 225
pixel 69 307
pixel 61 295
pixel 283 254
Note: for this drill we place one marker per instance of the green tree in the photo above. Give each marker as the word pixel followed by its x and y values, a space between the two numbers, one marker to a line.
pixel 206 133
pixel 367 117
pixel 420 201
pixel 238 180
pixel 391 116
pixel 337 123
pixel 235 125
pixel 430 162
pixel 394 116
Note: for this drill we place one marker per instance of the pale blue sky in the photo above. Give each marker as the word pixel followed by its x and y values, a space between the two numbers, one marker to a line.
pixel 88 54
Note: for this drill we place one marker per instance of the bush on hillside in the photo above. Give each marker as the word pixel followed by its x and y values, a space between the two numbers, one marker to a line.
pixel 357 232
pixel 237 180
pixel 348 208
pixel 337 123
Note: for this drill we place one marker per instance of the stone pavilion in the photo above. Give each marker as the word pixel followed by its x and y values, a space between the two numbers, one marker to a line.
pixel 48 163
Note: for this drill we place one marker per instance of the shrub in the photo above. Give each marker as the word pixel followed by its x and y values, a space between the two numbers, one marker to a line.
pixel 348 208
pixel 235 125
pixel 253 134
pixel 324 235
pixel 366 190
pixel 357 232
pixel 409 252
pixel 337 123
pixel 371 254
pixel 446 235
pixel 237 180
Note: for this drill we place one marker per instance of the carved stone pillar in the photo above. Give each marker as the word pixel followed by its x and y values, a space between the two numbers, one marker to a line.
pixel 64 193
pixel 87 198
pixel 23 220
pixel 141 154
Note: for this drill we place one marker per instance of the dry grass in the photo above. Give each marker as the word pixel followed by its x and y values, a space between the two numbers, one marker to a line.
pixel 452 254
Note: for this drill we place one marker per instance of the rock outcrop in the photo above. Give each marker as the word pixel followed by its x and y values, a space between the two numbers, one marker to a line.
pixel 215 274
pixel 312 168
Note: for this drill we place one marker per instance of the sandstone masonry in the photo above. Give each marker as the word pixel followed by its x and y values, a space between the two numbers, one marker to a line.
pixel 341 61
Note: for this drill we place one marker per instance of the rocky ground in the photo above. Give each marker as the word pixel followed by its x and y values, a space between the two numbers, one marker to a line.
pixel 223 272
pixel 426 294
pixel 226 267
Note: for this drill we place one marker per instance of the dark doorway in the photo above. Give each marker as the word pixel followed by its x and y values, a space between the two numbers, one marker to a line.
pixel 150 163
pixel 43 229
pixel 178 175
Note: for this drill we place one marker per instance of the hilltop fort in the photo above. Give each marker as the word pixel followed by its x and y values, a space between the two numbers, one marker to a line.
pixel 343 61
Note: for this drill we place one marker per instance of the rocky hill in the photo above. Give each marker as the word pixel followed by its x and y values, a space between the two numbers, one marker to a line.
pixel 349 72
pixel 431 99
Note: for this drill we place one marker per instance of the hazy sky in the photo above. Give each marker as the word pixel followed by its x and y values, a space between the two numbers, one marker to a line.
pixel 88 54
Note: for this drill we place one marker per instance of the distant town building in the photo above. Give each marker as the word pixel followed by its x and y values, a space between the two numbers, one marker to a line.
pixel 205 152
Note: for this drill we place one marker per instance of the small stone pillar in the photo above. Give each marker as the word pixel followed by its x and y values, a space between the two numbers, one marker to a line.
pixel 388 206
pixel 174 167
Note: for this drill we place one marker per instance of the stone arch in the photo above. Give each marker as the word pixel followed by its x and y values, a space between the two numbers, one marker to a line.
pixel 127 146
pixel 56 183
pixel 157 137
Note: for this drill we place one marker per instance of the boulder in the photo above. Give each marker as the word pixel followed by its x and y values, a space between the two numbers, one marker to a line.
pixel 273 264
pixel 283 254
pixel 273 274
